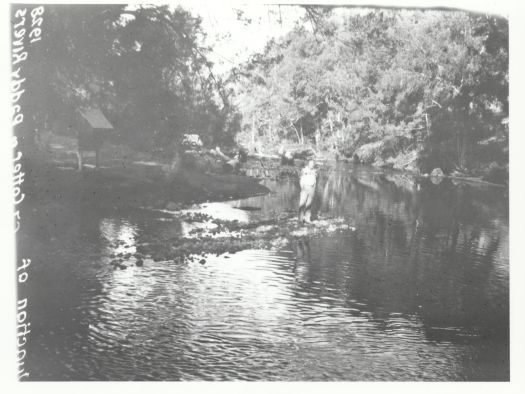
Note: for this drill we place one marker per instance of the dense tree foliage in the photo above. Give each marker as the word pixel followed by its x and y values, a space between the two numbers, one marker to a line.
pixel 145 67
pixel 405 88
pixel 409 89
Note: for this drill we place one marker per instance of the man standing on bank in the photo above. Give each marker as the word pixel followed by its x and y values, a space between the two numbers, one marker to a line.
pixel 307 182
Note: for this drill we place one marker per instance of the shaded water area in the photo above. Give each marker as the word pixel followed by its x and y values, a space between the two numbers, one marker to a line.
pixel 419 291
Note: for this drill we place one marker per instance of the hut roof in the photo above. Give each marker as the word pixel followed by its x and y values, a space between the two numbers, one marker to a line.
pixel 95 118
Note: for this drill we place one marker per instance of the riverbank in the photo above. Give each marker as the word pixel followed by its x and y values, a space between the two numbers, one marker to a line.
pixel 381 155
pixel 134 184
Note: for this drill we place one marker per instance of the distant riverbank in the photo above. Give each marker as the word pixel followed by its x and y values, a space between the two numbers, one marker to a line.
pixel 373 156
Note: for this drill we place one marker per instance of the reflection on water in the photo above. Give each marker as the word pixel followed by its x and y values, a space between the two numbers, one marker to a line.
pixel 418 292
pixel 120 236
pixel 220 210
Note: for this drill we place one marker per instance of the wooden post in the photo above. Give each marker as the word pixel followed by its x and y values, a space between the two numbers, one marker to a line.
pixel 97 158
pixel 79 159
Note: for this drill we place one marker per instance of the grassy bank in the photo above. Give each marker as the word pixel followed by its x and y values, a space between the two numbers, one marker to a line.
pixel 127 178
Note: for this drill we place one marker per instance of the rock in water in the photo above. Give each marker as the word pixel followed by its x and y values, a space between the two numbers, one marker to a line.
pixel 437 172
pixel 233 236
pixel 172 206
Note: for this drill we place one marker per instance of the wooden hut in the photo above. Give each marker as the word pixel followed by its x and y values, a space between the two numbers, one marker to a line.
pixel 92 129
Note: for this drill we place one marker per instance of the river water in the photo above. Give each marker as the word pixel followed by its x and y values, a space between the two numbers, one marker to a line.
pixel 419 291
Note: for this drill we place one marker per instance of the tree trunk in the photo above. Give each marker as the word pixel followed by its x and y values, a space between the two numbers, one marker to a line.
pixel 296 133
pixel 253 130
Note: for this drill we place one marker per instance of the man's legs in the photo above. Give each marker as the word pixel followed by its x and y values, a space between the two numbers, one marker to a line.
pixel 305 204
pixel 308 205
pixel 302 204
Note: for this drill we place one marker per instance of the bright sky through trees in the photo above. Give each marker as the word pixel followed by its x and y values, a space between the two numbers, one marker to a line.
pixel 236 32
pixel 234 39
